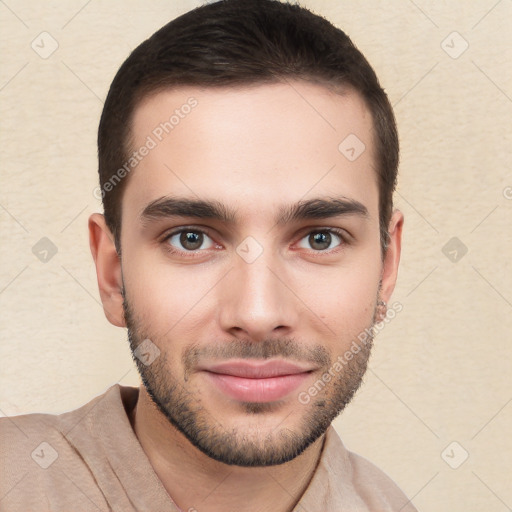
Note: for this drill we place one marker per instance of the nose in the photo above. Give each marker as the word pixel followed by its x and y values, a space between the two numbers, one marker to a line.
pixel 256 301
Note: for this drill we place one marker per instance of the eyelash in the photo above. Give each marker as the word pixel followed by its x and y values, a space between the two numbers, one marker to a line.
pixel 198 252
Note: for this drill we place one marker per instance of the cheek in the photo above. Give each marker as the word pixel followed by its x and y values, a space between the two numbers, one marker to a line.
pixel 344 298
pixel 166 296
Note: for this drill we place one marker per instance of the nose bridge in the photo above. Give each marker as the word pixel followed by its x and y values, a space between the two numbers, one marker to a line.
pixel 256 300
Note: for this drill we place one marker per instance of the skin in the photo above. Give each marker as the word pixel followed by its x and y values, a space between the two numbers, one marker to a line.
pixel 255 150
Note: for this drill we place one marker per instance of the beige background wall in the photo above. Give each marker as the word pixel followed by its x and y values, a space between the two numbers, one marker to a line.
pixel 441 370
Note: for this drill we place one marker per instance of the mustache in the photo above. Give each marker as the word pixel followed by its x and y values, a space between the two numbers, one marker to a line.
pixel 286 348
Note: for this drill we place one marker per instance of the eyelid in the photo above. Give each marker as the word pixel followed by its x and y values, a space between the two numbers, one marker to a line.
pixel 331 229
pixel 178 229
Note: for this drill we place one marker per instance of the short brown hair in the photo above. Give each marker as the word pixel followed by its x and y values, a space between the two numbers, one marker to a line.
pixel 235 43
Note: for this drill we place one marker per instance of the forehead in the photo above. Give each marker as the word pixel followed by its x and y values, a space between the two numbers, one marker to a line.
pixel 253 148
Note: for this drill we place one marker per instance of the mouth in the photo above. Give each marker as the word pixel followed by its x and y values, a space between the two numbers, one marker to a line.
pixel 253 381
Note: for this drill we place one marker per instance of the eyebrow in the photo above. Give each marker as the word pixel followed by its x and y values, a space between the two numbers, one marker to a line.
pixel 319 208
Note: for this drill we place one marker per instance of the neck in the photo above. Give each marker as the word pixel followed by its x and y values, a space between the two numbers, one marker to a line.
pixel 195 482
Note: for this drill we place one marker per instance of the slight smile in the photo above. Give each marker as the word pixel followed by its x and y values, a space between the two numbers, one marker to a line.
pixel 261 382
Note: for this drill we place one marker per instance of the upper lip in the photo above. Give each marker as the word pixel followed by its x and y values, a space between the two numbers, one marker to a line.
pixel 257 370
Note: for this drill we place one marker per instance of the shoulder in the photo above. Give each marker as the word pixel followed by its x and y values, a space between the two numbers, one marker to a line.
pixel 42 456
pixel 19 432
pixel 368 484
pixel 375 487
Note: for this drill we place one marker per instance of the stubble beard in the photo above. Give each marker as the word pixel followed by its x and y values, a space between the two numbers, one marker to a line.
pixel 231 445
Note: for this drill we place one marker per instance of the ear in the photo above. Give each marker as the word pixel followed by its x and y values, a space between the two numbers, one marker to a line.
pixel 108 269
pixel 392 256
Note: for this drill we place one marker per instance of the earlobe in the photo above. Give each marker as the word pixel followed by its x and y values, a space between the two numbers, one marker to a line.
pixel 108 269
pixel 392 256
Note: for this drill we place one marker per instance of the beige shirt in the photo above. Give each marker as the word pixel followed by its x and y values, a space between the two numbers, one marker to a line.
pixel 90 459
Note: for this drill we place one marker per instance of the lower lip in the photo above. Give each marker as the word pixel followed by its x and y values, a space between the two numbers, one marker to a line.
pixel 257 390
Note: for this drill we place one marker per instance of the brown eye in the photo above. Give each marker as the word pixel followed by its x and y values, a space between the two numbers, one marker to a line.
pixel 190 240
pixel 321 240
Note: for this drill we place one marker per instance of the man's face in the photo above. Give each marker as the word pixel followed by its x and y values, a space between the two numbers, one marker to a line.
pixel 249 309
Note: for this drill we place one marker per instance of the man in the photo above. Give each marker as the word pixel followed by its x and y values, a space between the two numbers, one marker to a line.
pixel 247 161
